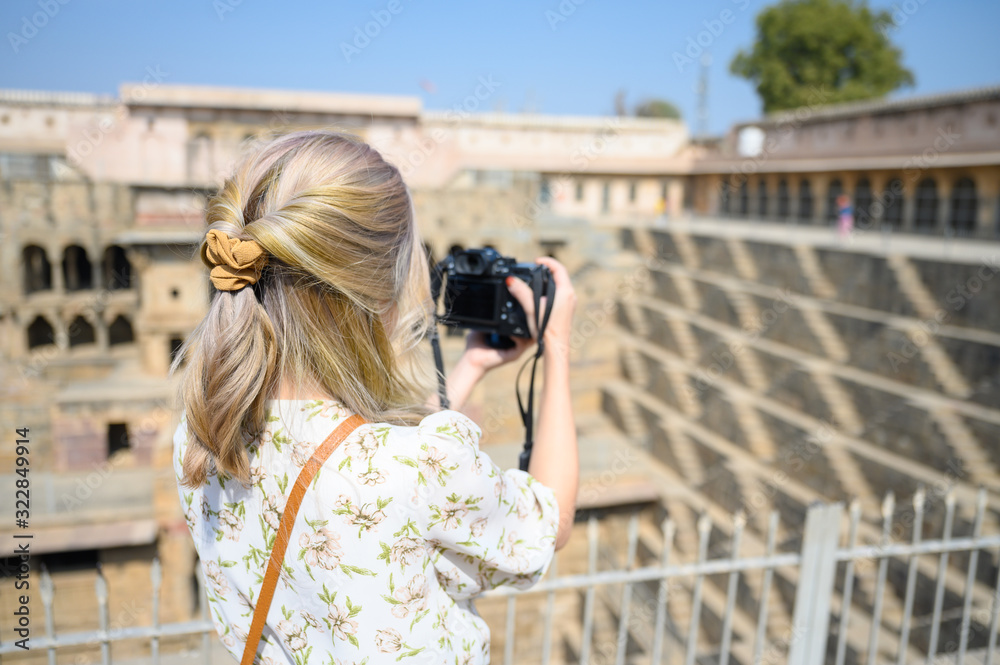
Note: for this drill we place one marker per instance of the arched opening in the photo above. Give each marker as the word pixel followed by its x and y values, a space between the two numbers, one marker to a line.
pixel 762 198
pixel 81 332
pixel 744 199
pixel 120 331
pixel 805 201
pixel 176 343
pixel 863 202
pixel 833 192
pixel 76 269
pixel 40 333
pixel 784 200
pixel 964 207
pixel 892 216
pixel 117 269
pixel 118 438
pixel 37 269
pixel 724 197
pixel 926 217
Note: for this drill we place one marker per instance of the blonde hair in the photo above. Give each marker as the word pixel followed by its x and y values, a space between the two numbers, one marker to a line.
pixel 342 303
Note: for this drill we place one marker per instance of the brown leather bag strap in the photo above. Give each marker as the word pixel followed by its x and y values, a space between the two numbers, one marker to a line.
pixel 285 530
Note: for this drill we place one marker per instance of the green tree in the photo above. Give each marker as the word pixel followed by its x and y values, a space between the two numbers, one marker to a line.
pixel 657 108
pixel 821 50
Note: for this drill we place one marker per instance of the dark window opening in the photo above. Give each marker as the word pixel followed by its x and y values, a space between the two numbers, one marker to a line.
pixel 631 192
pixel 579 191
pixel 544 192
pixel 120 331
pixel 964 207
pixel 81 332
pixel 37 269
pixel 117 438
pixel 174 293
pixel 724 197
pixel 744 199
pixel 40 333
pixel 606 197
pixel 893 214
pixel 805 201
pixel 863 202
pixel 784 200
pixel 833 193
pixel 76 269
pixel 926 216
pixel 762 199
pixel 117 269
pixel 65 562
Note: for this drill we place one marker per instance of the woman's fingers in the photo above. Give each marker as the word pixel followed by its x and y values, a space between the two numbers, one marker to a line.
pixel 524 295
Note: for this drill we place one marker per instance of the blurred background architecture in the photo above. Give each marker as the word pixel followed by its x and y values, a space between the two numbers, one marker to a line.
pixel 732 354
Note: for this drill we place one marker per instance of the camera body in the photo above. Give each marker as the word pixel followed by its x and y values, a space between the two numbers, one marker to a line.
pixel 476 295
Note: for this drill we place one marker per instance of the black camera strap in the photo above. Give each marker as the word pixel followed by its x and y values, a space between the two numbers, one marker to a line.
pixel 437 278
pixel 541 322
pixel 528 413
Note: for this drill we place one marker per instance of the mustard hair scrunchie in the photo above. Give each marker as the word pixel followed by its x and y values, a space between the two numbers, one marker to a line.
pixel 234 262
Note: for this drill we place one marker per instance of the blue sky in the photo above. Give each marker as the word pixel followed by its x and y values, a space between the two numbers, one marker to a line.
pixel 555 56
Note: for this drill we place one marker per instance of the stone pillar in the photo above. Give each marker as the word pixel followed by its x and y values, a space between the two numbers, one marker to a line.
pixel 61 330
pixel 878 182
pixel 56 264
pixel 97 269
pixel 945 183
pixel 100 332
pixel 988 195
pixel 909 205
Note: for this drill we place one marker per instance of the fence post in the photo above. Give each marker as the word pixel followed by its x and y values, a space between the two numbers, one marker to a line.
pixel 811 623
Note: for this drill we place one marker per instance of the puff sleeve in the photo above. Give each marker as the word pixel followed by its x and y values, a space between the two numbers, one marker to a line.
pixel 485 527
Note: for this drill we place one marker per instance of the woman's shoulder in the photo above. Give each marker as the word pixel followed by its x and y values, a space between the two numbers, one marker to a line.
pixel 441 427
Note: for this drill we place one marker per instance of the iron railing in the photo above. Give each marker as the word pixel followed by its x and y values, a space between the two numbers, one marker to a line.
pixel 829 623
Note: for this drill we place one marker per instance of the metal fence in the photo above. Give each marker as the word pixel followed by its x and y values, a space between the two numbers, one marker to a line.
pixel 830 621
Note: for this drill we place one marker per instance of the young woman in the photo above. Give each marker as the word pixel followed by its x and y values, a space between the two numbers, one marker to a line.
pixel 322 311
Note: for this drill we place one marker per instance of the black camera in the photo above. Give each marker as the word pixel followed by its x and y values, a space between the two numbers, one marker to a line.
pixel 476 296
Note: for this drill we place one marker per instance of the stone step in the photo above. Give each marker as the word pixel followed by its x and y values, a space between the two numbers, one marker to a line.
pixel 743 260
pixel 975 462
pixel 813 271
pixel 687 249
pixel 826 334
pixel 912 286
pixel 839 401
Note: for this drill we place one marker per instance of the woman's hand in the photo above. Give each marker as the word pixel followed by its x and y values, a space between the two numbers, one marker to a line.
pixel 559 328
pixel 484 357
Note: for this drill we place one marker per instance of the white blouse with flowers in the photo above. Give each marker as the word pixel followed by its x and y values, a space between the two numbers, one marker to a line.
pixel 399 530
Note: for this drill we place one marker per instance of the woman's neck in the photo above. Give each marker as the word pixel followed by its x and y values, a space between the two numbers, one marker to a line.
pixel 288 390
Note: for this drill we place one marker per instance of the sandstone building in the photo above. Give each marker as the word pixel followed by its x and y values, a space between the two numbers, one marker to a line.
pixel 725 334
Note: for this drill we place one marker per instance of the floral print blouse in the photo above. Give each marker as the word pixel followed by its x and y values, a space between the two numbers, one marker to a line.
pixel 399 531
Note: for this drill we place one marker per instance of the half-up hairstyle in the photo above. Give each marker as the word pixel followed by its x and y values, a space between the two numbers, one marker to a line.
pixel 340 307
